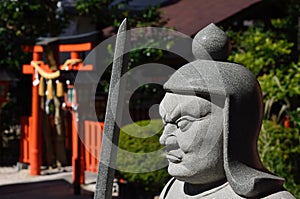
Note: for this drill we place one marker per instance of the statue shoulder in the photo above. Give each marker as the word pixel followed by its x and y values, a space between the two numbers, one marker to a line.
pixel 167 188
pixel 174 190
pixel 281 194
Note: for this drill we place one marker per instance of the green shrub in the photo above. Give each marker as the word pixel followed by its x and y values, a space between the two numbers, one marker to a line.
pixel 134 138
pixel 279 149
pixel 268 54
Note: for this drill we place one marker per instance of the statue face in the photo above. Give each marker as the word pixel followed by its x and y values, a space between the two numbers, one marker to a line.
pixel 193 138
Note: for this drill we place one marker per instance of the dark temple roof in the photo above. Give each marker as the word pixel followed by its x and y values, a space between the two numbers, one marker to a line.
pixel 189 16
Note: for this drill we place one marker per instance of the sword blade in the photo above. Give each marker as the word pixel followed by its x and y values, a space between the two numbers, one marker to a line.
pixel 111 129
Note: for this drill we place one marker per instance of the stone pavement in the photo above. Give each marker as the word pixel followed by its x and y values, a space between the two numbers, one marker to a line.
pixel 51 184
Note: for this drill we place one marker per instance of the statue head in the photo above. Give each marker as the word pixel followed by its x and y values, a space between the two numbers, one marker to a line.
pixel 213 112
pixel 192 146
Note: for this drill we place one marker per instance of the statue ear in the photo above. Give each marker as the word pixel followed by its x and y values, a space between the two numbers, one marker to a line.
pixel 244 180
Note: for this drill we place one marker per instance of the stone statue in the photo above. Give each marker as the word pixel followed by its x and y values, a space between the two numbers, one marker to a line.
pixel 212 113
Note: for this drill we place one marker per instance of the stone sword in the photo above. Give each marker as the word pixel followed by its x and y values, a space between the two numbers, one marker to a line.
pixel 113 114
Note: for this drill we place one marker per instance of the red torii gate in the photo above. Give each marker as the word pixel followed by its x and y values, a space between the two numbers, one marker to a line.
pixel 31 145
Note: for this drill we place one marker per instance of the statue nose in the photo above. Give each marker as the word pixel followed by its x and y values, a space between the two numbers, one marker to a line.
pixel 171 143
pixel 168 137
pixel 162 139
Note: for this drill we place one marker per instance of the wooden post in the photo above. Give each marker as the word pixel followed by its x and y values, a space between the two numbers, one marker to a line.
pixel 82 177
pixel 35 152
pixel 81 149
pixel 74 55
pixel 77 155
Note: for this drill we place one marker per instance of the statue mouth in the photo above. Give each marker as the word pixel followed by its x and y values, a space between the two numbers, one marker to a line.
pixel 174 158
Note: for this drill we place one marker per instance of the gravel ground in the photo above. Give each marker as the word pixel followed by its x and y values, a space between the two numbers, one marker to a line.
pixel 50 184
pixel 11 175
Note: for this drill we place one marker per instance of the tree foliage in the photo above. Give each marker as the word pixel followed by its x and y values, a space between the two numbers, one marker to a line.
pixel 25 18
pixel 104 13
pixel 267 52
pixel 260 50
pixel 279 149
pixel 22 21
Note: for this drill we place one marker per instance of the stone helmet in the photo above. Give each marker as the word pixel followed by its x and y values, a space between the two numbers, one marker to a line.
pixel 236 90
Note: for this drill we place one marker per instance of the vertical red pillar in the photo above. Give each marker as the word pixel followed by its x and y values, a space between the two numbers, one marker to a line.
pixel 74 55
pixel 82 177
pixel 35 153
pixel 81 150
pixel 77 167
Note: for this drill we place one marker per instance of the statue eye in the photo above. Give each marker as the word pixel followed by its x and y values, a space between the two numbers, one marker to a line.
pixel 184 124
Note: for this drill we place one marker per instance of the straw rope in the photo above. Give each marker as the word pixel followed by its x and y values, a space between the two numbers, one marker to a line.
pixel 43 73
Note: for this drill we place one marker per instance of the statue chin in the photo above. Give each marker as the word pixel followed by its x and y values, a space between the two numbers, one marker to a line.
pixel 180 172
pixel 201 176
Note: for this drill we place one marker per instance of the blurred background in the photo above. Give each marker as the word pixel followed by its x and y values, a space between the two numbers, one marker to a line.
pixel 39 103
